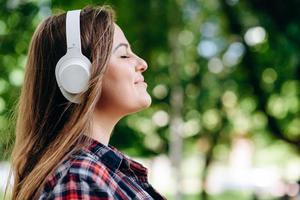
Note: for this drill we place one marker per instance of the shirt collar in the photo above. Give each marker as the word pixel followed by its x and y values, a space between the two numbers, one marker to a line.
pixel 116 160
pixel 106 154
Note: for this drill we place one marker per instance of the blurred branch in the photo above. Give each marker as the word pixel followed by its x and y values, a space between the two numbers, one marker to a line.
pixel 177 98
pixel 214 138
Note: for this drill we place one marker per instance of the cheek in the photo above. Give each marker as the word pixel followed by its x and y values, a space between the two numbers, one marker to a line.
pixel 119 75
pixel 118 83
pixel 118 71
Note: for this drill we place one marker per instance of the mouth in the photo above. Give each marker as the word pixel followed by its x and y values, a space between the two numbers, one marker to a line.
pixel 140 79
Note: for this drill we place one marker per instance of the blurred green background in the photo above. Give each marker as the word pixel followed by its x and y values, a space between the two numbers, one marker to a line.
pixel 224 79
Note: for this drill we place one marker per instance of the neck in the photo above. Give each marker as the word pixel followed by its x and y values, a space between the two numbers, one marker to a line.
pixel 103 125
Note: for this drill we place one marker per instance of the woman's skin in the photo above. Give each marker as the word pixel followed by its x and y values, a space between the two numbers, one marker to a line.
pixel 123 90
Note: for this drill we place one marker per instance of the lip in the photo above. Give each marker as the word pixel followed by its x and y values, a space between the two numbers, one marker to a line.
pixel 142 82
pixel 140 79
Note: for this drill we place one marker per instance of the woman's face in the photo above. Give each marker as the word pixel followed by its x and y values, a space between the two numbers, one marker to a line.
pixel 124 90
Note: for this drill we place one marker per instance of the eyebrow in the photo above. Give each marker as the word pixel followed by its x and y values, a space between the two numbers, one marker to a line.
pixel 119 45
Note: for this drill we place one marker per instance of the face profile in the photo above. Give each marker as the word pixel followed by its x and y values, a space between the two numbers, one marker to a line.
pixel 124 89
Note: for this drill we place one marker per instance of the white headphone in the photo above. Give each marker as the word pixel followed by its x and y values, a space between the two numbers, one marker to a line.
pixel 72 71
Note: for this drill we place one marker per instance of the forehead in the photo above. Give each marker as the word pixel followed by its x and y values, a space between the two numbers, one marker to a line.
pixel 119 36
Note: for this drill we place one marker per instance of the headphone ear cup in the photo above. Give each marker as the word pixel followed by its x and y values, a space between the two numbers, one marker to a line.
pixel 74 76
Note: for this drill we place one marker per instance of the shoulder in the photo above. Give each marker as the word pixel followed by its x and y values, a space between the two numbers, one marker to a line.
pixel 82 165
pixel 81 174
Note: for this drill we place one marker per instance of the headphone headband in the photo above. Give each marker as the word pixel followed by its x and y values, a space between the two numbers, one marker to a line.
pixel 73 30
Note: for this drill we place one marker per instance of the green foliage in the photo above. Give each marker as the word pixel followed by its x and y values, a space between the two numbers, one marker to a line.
pixel 236 63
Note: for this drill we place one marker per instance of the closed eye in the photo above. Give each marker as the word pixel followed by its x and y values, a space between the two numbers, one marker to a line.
pixel 124 56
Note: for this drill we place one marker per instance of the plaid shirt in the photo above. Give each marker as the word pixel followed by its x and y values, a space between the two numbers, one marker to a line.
pixel 99 173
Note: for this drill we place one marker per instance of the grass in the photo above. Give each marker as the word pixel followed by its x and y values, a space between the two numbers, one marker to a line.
pixel 228 195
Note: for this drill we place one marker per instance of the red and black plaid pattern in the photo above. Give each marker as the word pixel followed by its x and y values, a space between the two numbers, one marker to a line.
pixel 99 173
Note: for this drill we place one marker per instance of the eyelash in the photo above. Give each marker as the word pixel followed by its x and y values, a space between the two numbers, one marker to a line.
pixel 125 57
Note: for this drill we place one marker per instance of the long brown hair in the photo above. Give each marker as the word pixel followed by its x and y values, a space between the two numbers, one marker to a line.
pixel 49 128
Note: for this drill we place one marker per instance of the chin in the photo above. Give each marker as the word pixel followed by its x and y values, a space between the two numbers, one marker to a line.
pixel 145 103
pixel 148 101
pixel 142 104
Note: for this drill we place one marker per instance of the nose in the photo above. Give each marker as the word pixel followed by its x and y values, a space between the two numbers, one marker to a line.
pixel 141 64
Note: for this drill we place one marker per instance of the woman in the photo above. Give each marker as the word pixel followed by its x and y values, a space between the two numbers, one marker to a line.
pixel 61 149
